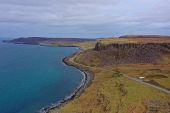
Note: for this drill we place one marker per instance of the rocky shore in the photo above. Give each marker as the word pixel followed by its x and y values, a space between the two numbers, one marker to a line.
pixel 87 75
pixel 85 82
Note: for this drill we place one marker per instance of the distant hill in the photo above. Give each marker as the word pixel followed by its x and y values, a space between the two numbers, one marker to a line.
pixel 39 40
pixel 144 36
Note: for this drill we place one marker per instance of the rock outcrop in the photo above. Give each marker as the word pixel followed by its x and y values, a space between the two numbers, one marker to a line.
pixel 159 46
pixel 127 53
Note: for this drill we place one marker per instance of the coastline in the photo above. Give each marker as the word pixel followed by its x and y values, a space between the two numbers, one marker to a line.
pixel 100 96
pixel 85 82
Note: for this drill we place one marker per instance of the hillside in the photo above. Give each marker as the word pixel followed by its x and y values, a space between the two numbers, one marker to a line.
pixel 111 61
pixel 145 50
pixel 50 41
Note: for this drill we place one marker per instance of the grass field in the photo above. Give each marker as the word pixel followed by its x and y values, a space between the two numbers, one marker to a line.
pixel 110 93
pixel 136 39
pixel 160 72
pixel 86 45
pixel 83 45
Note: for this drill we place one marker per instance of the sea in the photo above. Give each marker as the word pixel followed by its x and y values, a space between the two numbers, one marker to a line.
pixel 33 77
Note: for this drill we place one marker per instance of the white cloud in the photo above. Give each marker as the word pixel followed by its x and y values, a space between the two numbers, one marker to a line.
pixel 129 13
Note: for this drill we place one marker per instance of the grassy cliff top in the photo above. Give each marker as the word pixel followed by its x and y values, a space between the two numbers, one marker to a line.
pixel 136 39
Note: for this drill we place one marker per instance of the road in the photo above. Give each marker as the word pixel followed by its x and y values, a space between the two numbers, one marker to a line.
pixel 131 78
pixel 145 83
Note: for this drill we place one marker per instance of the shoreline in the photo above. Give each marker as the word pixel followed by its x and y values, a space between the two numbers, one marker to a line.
pixel 85 82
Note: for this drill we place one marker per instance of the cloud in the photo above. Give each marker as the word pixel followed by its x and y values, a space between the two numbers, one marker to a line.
pixel 82 15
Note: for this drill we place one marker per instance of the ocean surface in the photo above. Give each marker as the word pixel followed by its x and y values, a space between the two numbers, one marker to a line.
pixel 32 77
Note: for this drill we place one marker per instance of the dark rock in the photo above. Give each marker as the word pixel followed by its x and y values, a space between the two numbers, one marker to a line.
pixel 125 53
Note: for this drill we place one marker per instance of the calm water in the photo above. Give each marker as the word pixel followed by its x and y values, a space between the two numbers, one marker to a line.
pixel 32 77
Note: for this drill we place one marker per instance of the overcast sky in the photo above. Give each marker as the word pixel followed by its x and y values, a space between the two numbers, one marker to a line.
pixel 83 18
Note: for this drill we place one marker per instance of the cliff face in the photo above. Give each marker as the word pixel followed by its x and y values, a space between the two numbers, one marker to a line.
pixel 159 46
pixel 126 53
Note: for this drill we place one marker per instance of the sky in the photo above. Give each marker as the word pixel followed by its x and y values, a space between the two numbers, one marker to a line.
pixel 83 18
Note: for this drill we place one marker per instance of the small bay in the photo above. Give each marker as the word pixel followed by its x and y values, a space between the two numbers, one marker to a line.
pixel 33 76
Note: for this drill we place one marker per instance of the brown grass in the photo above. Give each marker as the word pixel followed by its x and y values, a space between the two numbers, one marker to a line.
pixel 135 40
pixel 112 93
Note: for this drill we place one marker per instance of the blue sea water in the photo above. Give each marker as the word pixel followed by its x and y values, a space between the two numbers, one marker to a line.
pixel 32 77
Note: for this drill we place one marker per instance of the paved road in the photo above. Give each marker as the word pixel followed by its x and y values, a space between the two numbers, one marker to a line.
pixel 145 83
pixel 131 78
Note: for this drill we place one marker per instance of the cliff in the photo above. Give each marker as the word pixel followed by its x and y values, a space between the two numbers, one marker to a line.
pixel 125 53
pixel 159 46
pixel 132 52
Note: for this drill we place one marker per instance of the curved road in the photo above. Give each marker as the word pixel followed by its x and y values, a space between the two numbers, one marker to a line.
pixel 131 78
